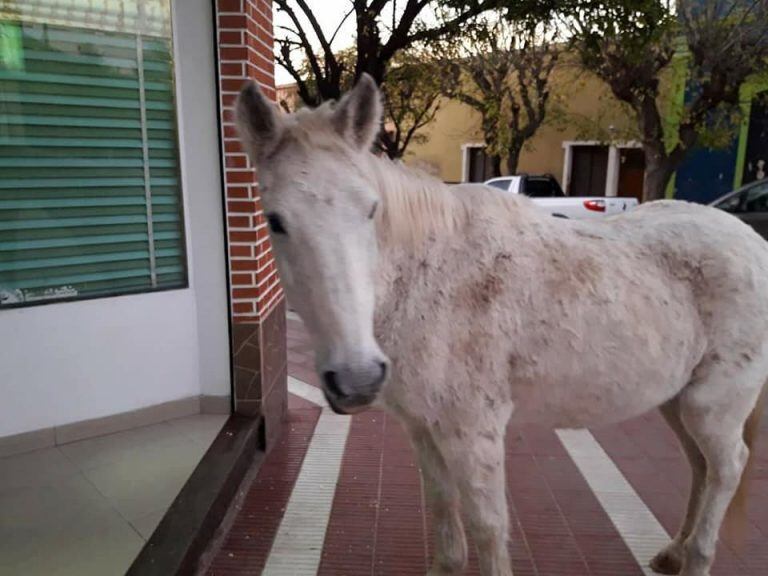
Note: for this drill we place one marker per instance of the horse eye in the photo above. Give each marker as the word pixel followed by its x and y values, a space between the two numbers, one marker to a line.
pixel 373 210
pixel 275 224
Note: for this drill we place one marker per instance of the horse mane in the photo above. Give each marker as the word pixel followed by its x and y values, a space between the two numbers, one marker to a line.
pixel 416 205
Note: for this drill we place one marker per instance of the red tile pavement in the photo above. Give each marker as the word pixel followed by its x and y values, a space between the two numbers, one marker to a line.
pixel 645 451
pixel 380 526
pixel 247 545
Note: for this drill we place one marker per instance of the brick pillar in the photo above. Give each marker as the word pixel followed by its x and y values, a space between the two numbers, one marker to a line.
pixel 245 43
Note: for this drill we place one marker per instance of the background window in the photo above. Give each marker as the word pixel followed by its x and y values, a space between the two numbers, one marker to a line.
pixel 753 199
pixel 480 166
pixel 500 184
pixel 757 199
pixel 90 196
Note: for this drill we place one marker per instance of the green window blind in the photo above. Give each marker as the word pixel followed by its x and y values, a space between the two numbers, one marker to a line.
pixel 90 197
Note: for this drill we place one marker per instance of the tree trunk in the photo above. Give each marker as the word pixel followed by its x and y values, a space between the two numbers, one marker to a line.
pixel 496 165
pixel 513 158
pixel 657 174
pixel 388 145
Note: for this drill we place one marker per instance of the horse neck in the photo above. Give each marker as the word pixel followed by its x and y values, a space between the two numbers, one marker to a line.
pixel 417 210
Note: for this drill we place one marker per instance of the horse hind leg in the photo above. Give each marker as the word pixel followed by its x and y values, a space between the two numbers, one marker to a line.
pixel 670 559
pixel 716 414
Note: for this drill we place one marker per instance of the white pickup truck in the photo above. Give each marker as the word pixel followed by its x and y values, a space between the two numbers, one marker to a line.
pixel 546 192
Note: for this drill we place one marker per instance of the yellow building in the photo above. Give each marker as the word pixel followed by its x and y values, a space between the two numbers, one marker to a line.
pixel 586 141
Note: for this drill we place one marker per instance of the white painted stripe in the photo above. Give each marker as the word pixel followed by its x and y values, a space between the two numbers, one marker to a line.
pixel 292 315
pixel 298 546
pixel 636 524
pixel 307 391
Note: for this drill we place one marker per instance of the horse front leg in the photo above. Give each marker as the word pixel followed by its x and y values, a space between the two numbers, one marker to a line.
pixel 474 455
pixel 443 497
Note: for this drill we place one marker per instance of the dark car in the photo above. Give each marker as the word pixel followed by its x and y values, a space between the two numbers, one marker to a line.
pixel 750 204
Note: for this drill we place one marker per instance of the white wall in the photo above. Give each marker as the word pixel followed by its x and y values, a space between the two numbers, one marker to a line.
pixel 201 177
pixel 68 362
pixel 62 363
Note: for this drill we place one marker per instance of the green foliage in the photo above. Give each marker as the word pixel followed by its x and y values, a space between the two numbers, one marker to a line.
pixel 502 69
pixel 627 43
pixel 648 51
pixel 411 93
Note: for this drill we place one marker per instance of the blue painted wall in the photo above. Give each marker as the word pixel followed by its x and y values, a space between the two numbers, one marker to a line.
pixel 706 174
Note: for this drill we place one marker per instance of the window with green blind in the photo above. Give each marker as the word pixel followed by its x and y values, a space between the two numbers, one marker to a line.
pixel 90 195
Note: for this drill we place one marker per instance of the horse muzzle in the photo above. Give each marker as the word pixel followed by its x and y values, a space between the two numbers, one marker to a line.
pixel 353 388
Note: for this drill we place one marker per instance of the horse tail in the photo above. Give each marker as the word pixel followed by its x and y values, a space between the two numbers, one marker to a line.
pixel 737 511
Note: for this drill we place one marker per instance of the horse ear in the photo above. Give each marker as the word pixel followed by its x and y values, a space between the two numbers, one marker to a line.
pixel 258 121
pixel 357 116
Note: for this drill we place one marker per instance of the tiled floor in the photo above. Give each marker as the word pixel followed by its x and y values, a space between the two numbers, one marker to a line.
pixel 86 508
pixel 380 526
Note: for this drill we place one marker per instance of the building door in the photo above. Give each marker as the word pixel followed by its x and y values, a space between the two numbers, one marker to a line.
pixel 589 169
pixel 756 159
pixel 631 173
pixel 480 168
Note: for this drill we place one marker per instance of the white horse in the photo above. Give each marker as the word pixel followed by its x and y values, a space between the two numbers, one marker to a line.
pixel 458 308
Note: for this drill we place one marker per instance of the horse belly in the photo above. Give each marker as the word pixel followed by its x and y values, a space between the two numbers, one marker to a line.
pixel 622 362
pixel 590 400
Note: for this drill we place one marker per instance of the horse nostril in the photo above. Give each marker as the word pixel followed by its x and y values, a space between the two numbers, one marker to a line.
pixel 382 372
pixel 331 384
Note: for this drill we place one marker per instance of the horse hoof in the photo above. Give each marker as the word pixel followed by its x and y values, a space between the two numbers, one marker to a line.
pixel 667 562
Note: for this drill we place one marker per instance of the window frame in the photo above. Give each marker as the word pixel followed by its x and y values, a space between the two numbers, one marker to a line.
pixel 741 197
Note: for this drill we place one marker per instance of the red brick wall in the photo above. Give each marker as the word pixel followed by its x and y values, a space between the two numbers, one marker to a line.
pixel 245 44
pixel 244 29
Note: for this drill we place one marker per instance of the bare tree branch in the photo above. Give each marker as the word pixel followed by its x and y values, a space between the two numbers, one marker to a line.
pixel 452 24
pixel 306 44
pixel 317 29
pixel 341 23
pixel 324 74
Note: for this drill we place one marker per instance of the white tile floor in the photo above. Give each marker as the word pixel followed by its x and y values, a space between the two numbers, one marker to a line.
pixel 87 508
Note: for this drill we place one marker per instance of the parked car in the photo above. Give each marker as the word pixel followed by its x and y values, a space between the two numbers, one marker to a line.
pixel 750 204
pixel 545 191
